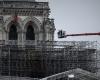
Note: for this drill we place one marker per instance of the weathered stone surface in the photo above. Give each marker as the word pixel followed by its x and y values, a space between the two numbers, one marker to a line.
pixel 22 13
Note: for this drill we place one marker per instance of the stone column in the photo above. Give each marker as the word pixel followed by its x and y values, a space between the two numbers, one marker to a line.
pixel 23 37
pixel 36 36
pixel 40 35
pixel 19 38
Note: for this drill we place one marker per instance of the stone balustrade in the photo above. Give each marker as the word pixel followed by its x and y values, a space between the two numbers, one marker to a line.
pixel 24 8
pixel 15 4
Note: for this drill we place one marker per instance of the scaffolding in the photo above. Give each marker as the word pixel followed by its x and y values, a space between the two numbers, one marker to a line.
pixel 47 59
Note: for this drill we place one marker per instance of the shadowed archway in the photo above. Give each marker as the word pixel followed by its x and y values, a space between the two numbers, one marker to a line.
pixel 30 35
pixel 13 35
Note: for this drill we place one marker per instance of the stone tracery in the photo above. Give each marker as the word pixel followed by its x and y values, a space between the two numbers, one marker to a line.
pixel 21 15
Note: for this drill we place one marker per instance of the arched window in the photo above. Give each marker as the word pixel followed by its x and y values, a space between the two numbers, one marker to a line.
pixel 30 33
pixel 13 32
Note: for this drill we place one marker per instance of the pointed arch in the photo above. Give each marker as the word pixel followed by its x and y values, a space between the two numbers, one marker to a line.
pixel 31 31
pixel 30 35
pixel 13 27
pixel 9 21
pixel 33 19
pixel 36 25
pixel 13 35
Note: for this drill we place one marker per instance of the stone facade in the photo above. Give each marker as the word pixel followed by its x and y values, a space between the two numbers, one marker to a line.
pixel 21 15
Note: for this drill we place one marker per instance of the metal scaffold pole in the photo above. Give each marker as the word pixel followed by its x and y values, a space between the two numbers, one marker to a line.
pixel 9 63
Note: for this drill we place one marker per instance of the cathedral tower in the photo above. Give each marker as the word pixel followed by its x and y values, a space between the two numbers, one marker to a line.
pixel 24 22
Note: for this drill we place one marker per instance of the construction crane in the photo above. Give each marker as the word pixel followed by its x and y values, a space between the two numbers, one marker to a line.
pixel 62 34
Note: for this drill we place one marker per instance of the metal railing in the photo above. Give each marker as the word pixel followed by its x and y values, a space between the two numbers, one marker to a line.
pixel 78 74
pixel 75 44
